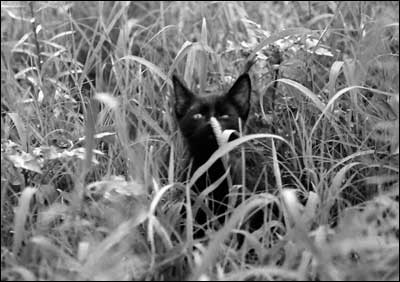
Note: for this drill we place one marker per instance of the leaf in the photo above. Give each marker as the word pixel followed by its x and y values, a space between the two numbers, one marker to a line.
pixel 21 41
pixel 186 47
pixel 203 39
pixel 339 178
pixel 65 33
pixel 123 38
pixel 214 247
pixel 333 75
pixel 310 211
pixel 116 185
pixel 22 73
pixel 277 171
pixel 107 99
pixel 314 98
pixel 102 250
pixel 277 36
pixel 190 67
pixel 53 212
pixel 21 129
pixel 203 57
pixel 226 149
pixel 25 161
pixel 181 53
pixel 326 110
pixel 21 215
pixel 45 245
pixel 152 67
pixel 15 13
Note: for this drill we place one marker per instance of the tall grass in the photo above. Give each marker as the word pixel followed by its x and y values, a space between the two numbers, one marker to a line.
pixel 94 173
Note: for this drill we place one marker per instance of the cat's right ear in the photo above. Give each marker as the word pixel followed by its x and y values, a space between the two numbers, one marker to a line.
pixel 183 97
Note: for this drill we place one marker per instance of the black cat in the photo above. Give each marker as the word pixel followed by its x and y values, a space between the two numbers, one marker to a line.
pixel 193 113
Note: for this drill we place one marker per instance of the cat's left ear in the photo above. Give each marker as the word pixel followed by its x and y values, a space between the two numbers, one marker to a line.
pixel 239 95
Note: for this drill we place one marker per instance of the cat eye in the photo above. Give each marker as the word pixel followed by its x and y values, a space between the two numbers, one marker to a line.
pixel 197 116
pixel 224 116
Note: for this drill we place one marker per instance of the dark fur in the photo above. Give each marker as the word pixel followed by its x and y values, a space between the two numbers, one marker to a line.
pixel 227 109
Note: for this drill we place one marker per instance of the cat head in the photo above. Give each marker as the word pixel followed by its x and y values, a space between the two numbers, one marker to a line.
pixel 193 113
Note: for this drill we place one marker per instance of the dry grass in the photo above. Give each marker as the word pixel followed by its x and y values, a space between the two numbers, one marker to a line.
pixel 94 172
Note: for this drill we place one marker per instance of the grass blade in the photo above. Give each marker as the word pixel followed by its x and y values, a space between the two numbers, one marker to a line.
pixel 20 218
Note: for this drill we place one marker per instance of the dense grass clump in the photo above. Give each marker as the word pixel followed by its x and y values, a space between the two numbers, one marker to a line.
pixel 94 173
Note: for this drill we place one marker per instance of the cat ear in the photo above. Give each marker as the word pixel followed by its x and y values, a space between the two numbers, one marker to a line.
pixel 239 95
pixel 183 97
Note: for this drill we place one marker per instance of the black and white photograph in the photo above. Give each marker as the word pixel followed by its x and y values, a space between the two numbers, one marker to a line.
pixel 200 141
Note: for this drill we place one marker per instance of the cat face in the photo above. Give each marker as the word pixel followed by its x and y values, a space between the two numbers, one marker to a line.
pixel 193 113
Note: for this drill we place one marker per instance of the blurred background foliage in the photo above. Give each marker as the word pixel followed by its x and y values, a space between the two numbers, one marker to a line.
pixel 82 77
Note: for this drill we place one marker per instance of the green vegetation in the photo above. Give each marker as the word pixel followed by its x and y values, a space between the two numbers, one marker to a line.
pixel 94 172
